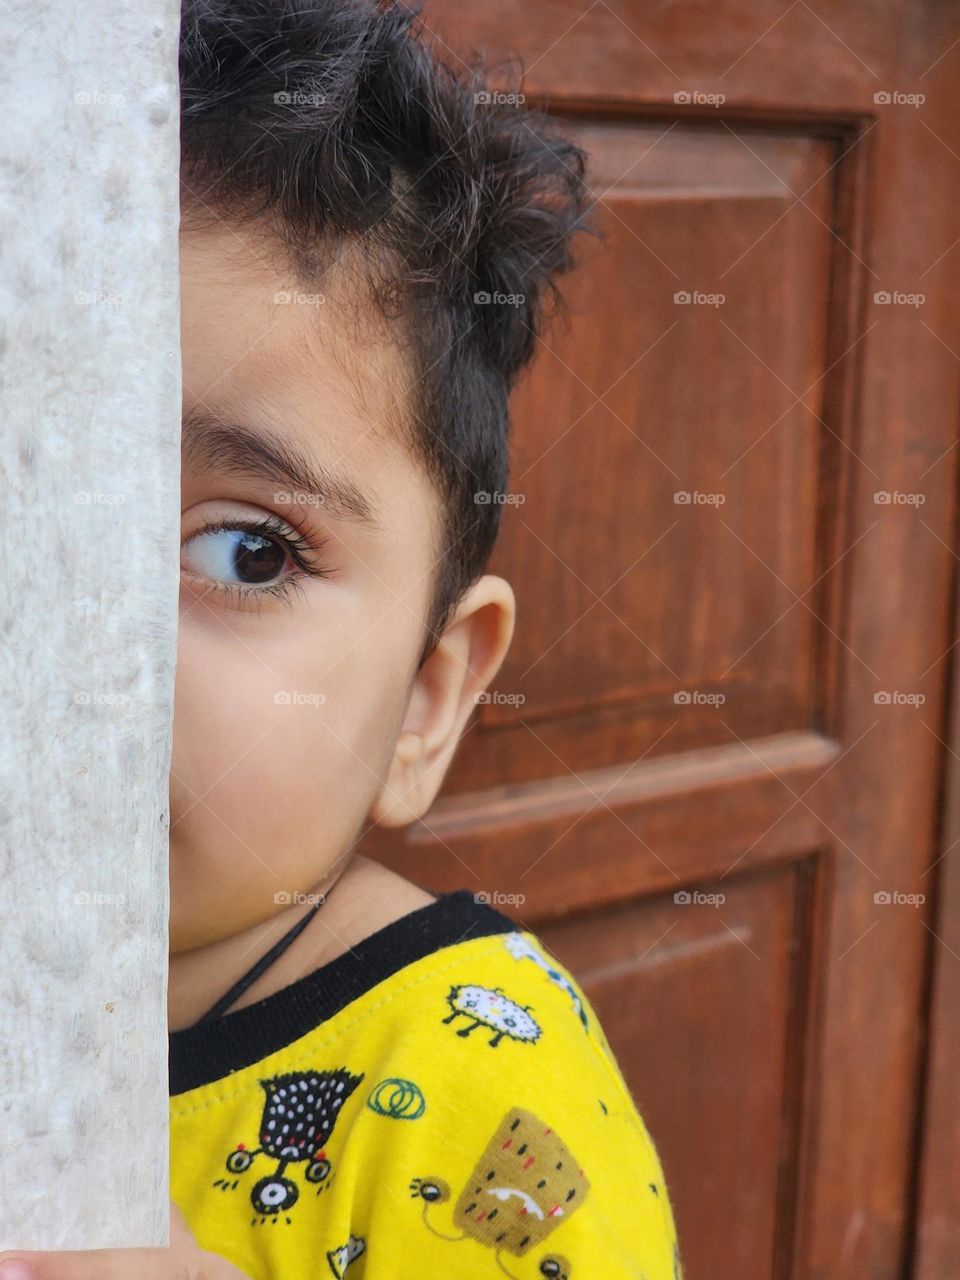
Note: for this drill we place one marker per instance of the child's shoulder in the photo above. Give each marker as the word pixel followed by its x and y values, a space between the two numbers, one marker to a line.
pixel 491 1093
pixel 473 987
pixel 451 996
pixel 494 987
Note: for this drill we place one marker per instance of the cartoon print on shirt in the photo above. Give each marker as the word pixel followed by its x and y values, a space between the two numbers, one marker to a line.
pixel 299 1115
pixel 522 948
pixel 524 1186
pixel 341 1258
pixel 493 1010
pixel 398 1099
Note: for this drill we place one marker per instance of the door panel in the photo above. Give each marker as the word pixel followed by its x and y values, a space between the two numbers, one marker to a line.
pixel 671 467
pixel 717 1084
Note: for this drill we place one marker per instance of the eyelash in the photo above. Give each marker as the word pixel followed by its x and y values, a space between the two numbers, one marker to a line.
pixel 296 546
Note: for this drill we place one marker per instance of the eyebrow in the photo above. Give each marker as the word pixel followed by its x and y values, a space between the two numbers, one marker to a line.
pixel 239 449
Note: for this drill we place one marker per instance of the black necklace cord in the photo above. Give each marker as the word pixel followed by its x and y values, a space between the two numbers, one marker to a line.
pixel 261 966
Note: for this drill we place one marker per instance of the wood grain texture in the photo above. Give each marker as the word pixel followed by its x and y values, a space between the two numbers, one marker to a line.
pixel 89 529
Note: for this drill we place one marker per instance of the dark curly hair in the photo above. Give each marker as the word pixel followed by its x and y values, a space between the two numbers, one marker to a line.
pixel 334 120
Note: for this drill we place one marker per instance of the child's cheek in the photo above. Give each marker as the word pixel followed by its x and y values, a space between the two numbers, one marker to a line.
pixel 280 745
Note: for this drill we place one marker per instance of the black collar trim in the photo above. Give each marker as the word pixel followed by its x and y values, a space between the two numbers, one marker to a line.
pixel 208 1051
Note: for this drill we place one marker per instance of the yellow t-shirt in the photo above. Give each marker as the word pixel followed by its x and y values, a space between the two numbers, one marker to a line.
pixel 439 1102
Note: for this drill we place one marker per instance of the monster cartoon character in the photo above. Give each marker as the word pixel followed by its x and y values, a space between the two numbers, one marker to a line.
pixel 299 1113
pixel 493 1010
pixel 524 1186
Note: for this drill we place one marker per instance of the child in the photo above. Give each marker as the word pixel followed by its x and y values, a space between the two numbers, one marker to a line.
pixel 366 1080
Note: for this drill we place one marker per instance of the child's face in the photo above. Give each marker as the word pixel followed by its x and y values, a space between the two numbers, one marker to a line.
pixel 289 706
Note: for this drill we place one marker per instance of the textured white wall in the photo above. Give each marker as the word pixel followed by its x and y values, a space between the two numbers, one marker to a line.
pixel 89 517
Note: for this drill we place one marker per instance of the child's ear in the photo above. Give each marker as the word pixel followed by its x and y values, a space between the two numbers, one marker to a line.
pixel 464 661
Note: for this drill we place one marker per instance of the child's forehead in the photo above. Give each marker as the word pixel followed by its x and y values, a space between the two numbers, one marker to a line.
pixel 258 343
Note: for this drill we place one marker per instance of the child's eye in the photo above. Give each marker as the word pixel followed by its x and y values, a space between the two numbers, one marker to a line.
pixel 249 558
pixel 235 555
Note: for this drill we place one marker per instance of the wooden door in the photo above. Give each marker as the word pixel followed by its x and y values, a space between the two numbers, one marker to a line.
pixel 717 738
pixel 938 1181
